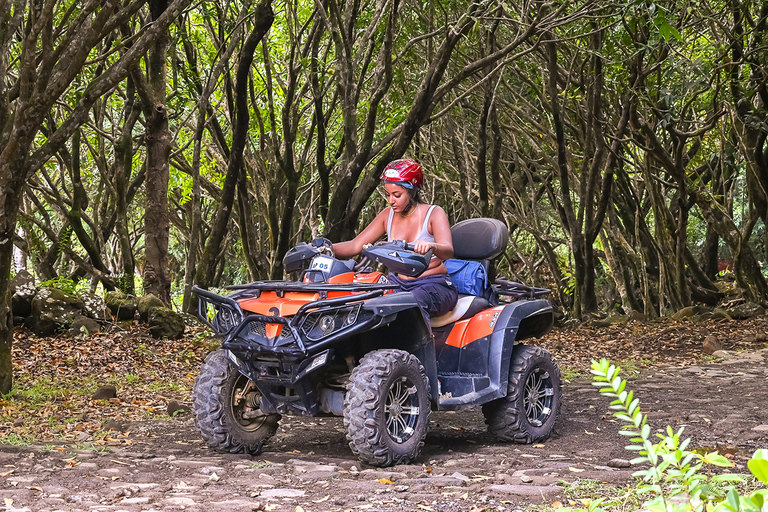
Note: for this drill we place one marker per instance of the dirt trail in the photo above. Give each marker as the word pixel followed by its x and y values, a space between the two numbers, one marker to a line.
pixel 308 465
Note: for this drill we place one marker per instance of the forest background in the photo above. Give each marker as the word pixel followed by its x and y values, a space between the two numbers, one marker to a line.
pixel 149 145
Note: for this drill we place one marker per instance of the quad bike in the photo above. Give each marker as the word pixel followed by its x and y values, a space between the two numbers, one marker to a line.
pixel 343 341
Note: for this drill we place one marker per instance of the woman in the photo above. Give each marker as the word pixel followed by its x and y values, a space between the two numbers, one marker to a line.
pixel 425 226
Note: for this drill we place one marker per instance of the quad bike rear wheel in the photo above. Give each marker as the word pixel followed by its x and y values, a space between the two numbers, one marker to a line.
pixel 529 411
pixel 387 408
pixel 226 408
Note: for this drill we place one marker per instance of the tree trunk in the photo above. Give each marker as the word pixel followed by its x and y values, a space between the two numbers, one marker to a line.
pixel 157 280
pixel 11 183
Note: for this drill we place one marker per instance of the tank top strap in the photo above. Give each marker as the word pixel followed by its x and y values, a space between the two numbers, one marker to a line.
pixel 425 227
pixel 389 224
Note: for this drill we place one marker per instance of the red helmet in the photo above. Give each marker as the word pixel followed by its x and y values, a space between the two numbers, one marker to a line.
pixel 405 172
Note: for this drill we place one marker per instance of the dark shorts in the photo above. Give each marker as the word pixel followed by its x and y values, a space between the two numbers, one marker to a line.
pixel 435 294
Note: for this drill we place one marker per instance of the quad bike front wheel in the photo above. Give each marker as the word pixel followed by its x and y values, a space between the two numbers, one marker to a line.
pixel 529 411
pixel 387 408
pixel 226 408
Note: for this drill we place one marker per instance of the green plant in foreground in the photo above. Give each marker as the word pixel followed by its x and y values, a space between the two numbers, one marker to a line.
pixel 674 476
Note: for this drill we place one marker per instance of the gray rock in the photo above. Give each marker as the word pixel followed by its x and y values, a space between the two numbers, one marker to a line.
pixel 176 408
pixel 746 310
pixel 619 463
pixel 105 393
pixel 22 288
pixel 166 323
pixel 121 307
pixel 282 493
pixel 94 306
pixel 83 326
pixel 690 312
pixel 711 345
pixel 617 319
pixel 721 353
pixel 761 428
pixel 526 490
pixel 53 311
pixel 145 305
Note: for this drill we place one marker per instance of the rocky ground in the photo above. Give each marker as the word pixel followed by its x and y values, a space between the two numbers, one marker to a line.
pixel 308 466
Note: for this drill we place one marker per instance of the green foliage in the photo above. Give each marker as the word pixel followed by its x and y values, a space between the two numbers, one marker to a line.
pixel 674 476
pixel 64 284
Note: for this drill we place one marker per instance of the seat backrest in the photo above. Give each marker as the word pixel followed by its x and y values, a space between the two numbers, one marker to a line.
pixel 479 239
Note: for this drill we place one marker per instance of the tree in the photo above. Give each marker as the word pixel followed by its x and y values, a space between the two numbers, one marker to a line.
pixel 42 50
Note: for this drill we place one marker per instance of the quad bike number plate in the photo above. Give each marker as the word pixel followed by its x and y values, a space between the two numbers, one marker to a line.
pixel 321 263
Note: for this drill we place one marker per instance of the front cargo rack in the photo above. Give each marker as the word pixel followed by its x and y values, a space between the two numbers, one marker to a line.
pixel 254 289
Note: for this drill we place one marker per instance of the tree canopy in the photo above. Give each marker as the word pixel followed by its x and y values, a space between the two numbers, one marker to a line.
pixel 622 142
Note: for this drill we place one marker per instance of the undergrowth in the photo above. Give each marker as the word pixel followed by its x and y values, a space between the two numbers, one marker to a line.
pixel 674 478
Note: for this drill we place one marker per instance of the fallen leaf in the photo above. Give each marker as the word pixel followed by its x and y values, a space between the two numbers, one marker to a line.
pixel 35 488
pixel 361 507
pixel 270 507
pixel 386 481
pixel 298 509
pixel 322 499
pixel 8 502
pixel 214 477
pixel 424 507
pixel 466 495
pixel 119 462
pixel 575 470
pixel 538 446
pixel 7 473
pixel 557 504
pixel 182 483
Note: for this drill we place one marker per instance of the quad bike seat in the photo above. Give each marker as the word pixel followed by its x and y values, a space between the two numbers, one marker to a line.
pixel 466 307
pixel 478 240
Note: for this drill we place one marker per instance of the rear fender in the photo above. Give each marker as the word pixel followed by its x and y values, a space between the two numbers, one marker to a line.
pixel 519 321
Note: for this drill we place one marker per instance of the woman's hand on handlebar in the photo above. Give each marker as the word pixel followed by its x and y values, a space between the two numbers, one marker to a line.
pixel 324 246
pixel 423 247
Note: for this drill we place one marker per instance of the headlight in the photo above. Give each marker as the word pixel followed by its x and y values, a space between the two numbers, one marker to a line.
pixel 320 324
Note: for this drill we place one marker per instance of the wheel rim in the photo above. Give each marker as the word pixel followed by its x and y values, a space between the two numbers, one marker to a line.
pixel 402 410
pixel 539 393
pixel 249 402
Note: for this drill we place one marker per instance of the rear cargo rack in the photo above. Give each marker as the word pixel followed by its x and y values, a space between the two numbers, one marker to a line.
pixel 518 290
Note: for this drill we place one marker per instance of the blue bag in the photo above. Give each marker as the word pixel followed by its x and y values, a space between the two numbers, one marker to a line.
pixel 469 277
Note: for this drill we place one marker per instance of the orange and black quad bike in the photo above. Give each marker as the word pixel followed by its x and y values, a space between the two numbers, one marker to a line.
pixel 341 340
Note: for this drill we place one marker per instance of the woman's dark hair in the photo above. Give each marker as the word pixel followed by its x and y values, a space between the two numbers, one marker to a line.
pixel 414 197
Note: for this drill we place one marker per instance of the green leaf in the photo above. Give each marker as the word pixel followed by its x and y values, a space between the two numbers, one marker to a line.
pixel 728 477
pixel 758 465
pixel 667 32
pixel 758 498
pixel 716 459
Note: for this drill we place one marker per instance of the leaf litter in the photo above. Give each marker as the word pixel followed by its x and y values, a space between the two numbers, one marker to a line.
pixel 55 379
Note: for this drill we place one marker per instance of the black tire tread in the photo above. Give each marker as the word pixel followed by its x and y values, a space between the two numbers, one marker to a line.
pixel 210 397
pixel 505 420
pixel 363 397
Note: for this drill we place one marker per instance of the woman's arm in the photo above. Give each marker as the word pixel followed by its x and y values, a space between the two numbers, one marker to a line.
pixel 440 228
pixel 369 235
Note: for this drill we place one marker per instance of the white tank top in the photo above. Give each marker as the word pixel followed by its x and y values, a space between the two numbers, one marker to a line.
pixel 424 235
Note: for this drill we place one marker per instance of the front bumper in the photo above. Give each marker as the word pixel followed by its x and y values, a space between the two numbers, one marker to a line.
pixel 284 366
